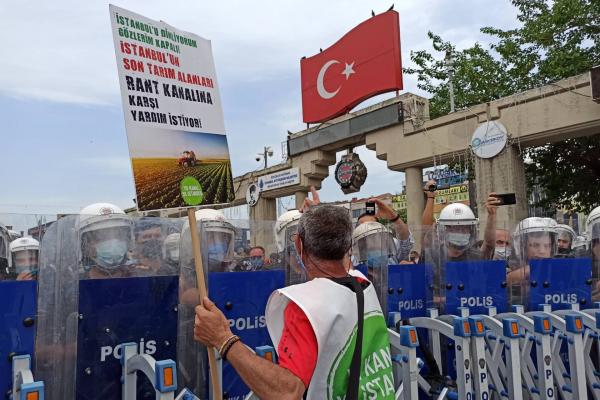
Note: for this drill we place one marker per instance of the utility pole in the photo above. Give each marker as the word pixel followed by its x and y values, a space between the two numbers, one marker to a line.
pixel 267 152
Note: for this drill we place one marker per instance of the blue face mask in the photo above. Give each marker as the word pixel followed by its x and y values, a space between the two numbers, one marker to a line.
pixel 111 253
pixel 217 250
pixel 256 262
pixel 459 240
pixel 376 259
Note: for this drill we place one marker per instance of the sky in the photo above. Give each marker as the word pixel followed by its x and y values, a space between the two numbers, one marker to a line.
pixel 163 143
pixel 62 138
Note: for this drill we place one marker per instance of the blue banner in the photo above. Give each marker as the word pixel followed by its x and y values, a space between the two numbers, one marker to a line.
pixel 560 282
pixel 242 296
pixel 116 311
pixel 17 325
pixel 475 285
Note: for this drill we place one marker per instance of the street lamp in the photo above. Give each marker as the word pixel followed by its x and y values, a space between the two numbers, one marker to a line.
pixel 267 152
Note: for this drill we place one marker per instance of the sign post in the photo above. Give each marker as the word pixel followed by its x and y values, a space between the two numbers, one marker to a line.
pixel 175 126
pixel 212 361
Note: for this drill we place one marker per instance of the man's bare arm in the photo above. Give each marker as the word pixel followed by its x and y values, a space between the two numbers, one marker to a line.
pixel 266 379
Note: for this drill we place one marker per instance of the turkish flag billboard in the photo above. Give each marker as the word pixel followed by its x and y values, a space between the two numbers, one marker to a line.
pixel 365 62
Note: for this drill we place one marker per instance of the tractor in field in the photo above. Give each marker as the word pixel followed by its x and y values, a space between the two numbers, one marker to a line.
pixel 187 159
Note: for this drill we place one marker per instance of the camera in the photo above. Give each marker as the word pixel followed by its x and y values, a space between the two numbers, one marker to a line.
pixel 432 188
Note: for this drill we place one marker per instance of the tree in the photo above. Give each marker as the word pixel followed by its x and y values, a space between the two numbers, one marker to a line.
pixel 555 39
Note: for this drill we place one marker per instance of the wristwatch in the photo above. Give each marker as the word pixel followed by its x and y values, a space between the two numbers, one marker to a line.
pixel 396 218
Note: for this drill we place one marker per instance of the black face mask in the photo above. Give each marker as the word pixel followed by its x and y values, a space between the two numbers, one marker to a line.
pixel 152 249
pixel 563 251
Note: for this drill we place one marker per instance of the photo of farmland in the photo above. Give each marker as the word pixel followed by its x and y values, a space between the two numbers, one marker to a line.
pixel 161 159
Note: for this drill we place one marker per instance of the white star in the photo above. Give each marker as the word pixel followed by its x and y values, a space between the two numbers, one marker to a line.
pixel 348 70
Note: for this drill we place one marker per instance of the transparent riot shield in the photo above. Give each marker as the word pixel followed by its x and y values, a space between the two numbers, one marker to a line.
pixel 469 276
pixel 241 275
pixel 538 273
pixel 373 250
pixel 560 282
pixel 19 259
pixel 410 280
pixel 102 284
pixel 295 271
pixel 242 295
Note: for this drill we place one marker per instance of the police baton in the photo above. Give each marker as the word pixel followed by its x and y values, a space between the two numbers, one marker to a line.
pixel 212 361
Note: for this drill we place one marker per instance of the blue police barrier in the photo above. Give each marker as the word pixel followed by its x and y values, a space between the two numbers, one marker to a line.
pixel 17 325
pixel 116 311
pixel 476 285
pixel 242 296
pixel 560 282
pixel 407 291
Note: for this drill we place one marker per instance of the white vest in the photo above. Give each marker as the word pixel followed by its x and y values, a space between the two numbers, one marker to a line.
pixel 332 311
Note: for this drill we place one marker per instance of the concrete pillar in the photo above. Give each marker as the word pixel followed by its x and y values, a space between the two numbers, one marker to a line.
pixel 504 173
pixel 300 196
pixel 415 203
pixel 262 219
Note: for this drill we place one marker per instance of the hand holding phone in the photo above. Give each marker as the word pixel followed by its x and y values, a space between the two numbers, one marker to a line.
pixel 505 199
pixel 370 208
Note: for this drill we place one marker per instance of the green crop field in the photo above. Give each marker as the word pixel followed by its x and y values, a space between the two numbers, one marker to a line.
pixel 157 182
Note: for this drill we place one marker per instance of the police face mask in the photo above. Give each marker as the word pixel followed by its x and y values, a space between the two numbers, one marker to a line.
pixel 111 253
pixel 376 259
pixel 460 240
pixel 152 249
pixel 256 262
pixel 26 261
pixel 217 251
pixel 502 253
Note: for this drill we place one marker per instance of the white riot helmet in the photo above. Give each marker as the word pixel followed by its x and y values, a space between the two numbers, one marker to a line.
pixel 104 234
pixel 565 233
pixel 373 244
pixel 457 226
pixel 25 254
pixel 532 228
pixel 218 235
pixel 593 225
pixel 171 248
pixel 285 226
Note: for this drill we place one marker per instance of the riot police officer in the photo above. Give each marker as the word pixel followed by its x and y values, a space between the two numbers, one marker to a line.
pixel 285 229
pixel 565 239
pixel 533 238
pixel 373 246
pixel 456 230
pixel 104 235
pixel 24 254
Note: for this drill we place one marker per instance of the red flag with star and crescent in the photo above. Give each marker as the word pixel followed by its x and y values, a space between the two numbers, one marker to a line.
pixel 365 62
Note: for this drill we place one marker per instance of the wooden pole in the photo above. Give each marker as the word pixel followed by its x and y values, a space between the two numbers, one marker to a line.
pixel 212 361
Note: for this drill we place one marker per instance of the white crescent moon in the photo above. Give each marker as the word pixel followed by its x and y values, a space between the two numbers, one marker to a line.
pixel 320 88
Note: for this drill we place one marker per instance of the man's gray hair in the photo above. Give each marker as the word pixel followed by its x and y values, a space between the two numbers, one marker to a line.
pixel 326 232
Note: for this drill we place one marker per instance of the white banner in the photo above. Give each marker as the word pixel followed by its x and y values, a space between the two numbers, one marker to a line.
pixel 173 114
pixel 280 179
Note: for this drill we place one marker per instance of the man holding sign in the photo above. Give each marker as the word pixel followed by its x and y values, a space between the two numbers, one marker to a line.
pixel 315 344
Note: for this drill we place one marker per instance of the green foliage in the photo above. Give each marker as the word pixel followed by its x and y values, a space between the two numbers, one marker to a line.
pixel 554 40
